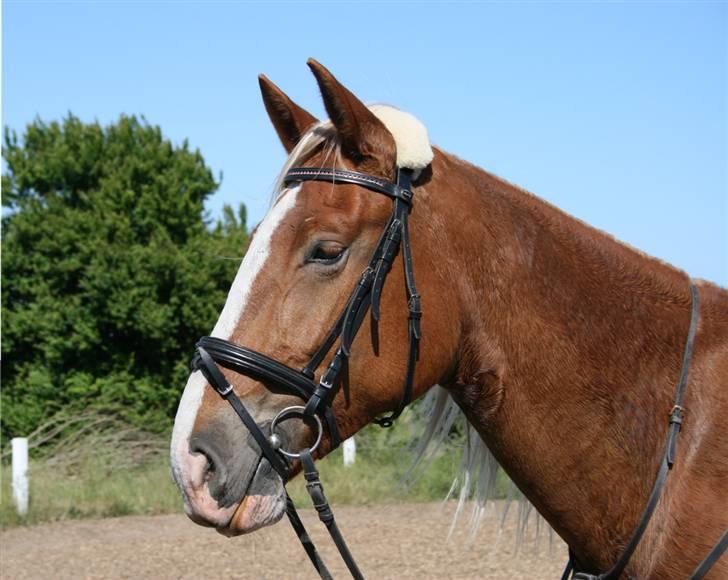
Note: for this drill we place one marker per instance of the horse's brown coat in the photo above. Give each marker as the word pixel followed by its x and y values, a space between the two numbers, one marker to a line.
pixel 562 346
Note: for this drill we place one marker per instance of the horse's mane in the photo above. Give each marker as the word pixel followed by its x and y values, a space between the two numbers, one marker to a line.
pixel 476 478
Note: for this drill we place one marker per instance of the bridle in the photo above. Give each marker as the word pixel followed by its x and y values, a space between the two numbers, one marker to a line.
pixel 318 396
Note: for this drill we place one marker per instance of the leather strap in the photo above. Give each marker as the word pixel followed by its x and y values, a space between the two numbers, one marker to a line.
pixel 321 352
pixel 668 457
pixel 305 539
pixel 335 176
pixel 257 365
pixel 316 490
pixel 712 557
pixel 414 306
pixel 566 574
pixel 366 295
pixel 213 375
pixel 261 367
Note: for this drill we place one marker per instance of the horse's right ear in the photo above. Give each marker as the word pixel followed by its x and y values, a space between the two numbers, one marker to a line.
pixel 290 120
pixel 364 138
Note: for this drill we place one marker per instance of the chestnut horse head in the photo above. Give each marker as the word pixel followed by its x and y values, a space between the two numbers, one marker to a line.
pixel 561 346
pixel 302 263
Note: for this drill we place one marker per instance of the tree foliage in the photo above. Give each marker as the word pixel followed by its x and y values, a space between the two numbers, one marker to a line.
pixel 111 270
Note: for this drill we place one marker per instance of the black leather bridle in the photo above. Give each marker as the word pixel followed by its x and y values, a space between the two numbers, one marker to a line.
pixel 318 396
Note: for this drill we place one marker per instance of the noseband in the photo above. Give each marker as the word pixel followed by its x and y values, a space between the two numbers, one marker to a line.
pixel 318 396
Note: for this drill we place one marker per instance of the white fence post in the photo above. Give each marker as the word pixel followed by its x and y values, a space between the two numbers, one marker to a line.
pixel 349 451
pixel 19 446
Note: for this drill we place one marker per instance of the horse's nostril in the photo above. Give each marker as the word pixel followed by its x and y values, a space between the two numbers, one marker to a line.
pixel 208 471
pixel 220 468
pixel 214 472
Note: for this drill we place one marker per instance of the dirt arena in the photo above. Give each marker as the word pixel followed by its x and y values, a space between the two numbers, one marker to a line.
pixel 389 541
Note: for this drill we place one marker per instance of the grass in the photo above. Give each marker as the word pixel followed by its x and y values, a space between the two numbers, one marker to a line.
pixel 98 492
pixel 94 492
pixel 95 478
pixel 378 479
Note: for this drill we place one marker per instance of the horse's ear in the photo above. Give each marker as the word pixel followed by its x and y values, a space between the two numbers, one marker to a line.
pixel 290 120
pixel 364 138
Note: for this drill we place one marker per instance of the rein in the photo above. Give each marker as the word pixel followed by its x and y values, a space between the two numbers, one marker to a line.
pixel 318 396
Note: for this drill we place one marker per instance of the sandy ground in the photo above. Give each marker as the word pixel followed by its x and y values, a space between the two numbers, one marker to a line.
pixel 388 541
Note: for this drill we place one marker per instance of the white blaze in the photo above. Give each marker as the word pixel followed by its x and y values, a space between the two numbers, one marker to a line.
pixel 255 259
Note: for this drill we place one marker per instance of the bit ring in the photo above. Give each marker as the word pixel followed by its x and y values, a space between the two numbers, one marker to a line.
pixel 295 410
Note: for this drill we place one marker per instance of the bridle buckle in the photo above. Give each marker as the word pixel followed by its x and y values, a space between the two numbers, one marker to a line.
pixel 226 391
pixel 406 194
pixel 414 306
pixel 676 415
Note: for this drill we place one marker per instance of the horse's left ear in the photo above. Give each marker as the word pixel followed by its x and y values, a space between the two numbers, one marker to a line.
pixel 364 138
pixel 290 120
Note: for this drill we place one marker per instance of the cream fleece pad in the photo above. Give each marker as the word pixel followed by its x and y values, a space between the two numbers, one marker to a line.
pixel 410 136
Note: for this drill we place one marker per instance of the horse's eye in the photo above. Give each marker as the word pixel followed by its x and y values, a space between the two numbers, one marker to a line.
pixel 327 253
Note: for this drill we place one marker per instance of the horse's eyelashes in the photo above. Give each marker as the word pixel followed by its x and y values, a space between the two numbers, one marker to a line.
pixel 327 253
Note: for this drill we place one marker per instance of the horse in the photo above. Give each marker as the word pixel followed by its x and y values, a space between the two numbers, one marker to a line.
pixel 561 346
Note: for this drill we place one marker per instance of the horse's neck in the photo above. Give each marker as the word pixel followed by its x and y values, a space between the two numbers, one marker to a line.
pixel 571 349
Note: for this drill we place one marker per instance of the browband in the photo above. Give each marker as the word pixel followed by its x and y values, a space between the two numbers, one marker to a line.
pixel 388 188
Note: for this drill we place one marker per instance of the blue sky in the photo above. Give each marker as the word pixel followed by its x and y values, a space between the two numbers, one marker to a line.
pixel 616 112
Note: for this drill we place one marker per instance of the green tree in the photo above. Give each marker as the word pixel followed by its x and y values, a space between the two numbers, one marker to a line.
pixel 111 270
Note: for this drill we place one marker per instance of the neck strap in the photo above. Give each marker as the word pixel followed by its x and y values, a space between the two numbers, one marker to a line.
pixel 666 462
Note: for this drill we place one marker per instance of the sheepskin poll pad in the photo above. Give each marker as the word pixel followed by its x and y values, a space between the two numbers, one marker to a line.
pixel 410 136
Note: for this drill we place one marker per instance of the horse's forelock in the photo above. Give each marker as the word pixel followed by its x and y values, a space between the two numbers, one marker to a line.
pixel 410 136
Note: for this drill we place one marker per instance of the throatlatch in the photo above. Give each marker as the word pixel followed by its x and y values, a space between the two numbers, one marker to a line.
pixel 318 396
